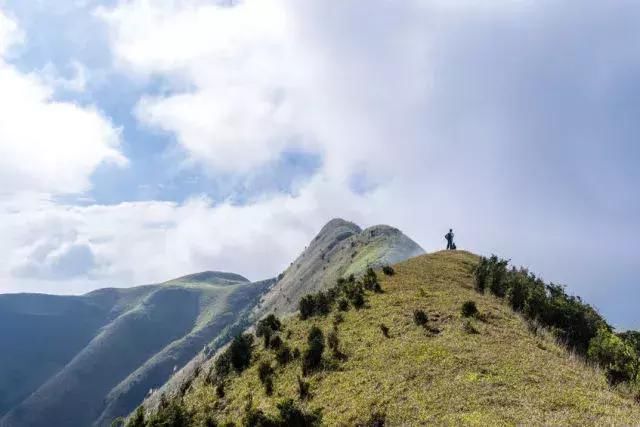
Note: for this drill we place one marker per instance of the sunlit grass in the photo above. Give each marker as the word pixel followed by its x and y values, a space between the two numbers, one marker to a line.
pixel 443 374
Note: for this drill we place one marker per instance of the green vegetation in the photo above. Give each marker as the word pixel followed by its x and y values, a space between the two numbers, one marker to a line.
pixel 493 366
pixel 469 309
pixel 574 322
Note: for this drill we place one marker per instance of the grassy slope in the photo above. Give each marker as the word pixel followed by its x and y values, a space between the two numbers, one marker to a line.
pixel 504 375
pixel 134 338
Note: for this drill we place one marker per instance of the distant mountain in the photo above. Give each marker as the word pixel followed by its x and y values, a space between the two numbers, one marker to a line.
pixel 76 360
pixel 341 248
pixel 428 348
pixel 85 360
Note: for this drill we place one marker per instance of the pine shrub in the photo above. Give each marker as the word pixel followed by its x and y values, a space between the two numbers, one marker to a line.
pixel 313 354
pixel 469 309
pixel 420 318
pixel 388 270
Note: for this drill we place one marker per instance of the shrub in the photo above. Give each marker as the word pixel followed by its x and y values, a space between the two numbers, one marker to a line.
pixel 518 285
pixel 306 306
pixel 240 352
pixel 334 342
pixel 314 304
pixel 420 318
pixel 498 285
pixel 256 418
pixel 469 309
pixel 222 365
pixel 267 327
pixel 303 389
pixel 481 274
pixel 343 304
pixel 171 414
pixel 138 418
pixel 370 280
pixel 384 329
pixel 358 300
pixel 264 371
pixel 275 342
pixel 388 270
pixel 315 347
pixel 292 416
pixel 618 358
pixel 283 355
pixel 220 390
pixel 268 386
pixel 296 353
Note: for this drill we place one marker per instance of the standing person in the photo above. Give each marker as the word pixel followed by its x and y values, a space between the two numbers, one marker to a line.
pixel 449 237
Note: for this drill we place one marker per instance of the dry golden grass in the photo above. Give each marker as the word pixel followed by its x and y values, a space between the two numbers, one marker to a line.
pixel 502 375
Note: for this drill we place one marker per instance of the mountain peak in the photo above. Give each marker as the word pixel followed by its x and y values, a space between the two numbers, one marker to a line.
pixel 213 277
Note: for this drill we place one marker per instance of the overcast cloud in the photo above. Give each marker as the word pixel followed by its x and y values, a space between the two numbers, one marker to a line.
pixel 513 122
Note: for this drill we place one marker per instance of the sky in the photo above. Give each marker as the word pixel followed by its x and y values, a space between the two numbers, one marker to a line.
pixel 141 140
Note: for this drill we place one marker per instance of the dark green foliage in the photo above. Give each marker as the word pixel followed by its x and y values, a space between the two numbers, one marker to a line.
pixel 357 297
pixel 632 338
pixel 385 330
pixel 268 386
pixel 481 274
pixel 296 353
pixel 420 318
pixel 137 420
pixel 222 365
pixel 314 305
pixel 240 352
pixel 283 355
pixel 377 419
pixel 267 327
pixel 170 414
pixel 118 422
pixel 275 343
pixel 209 422
pixel 574 322
pixel 388 270
pixel 498 283
pixel 343 304
pixel 313 353
pixel 370 281
pixel 256 418
pixel 616 356
pixel 337 319
pixel 264 371
pixel 334 342
pixel 303 389
pixel 220 390
pixel 469 309
pixel 292 416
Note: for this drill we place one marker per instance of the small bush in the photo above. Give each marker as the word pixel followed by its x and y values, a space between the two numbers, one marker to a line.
pixel 267 327
pixel 388 270
pixel 222 365
pixel 343 304
pixel 420 318
pixel 306 306
pixel 469 309
pixel 314 305
pixel 370 280
pixel 268 386
pixel 334 342
pixel 220 390
pixel 283 355
pixel 303 389
pixel 264 371
pixel 358 300
pixel 337 319
pixel 313 354
pixel 481 275
pixel 172 413
pixel 240 352
pixel 292 416
pixel 296 353
pixel 138 419
pixel 275 342
pixel 615 356
pixel 384 329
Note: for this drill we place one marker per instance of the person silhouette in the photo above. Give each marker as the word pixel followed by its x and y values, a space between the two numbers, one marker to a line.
pixel 449 237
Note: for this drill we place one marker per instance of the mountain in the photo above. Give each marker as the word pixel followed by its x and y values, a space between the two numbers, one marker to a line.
pixel 86 360
pixel 431 347
pixel 75 360
pixel 340 248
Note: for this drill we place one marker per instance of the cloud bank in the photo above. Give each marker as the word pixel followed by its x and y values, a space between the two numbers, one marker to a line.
pixel 510 121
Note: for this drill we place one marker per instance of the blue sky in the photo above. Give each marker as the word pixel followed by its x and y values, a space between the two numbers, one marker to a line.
pixel 144 140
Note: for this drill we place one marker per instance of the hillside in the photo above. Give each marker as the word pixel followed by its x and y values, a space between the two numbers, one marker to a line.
pixel 75 360
pixel 490 369
pixel 340 248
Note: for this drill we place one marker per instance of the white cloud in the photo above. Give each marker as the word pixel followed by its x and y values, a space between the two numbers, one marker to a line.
pixel 45 145
pixel 498 118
